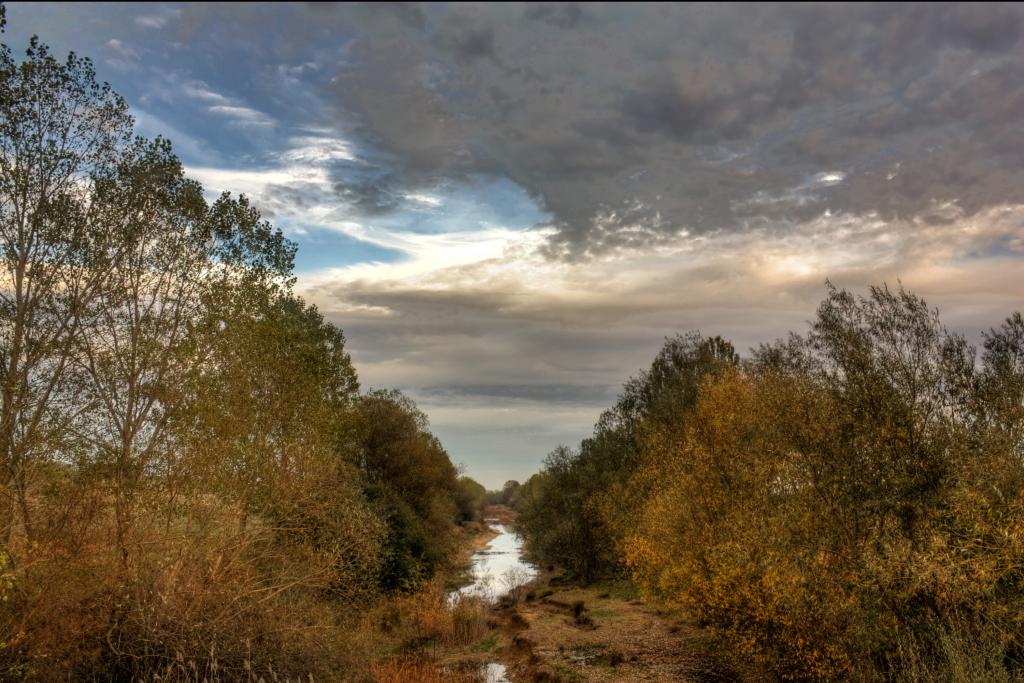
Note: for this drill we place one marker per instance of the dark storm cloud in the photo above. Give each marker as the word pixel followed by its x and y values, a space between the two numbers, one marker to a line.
pixel 467 36
pixel 631 124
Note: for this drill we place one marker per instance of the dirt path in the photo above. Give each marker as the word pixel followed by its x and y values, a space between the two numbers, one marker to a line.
pixel 562 632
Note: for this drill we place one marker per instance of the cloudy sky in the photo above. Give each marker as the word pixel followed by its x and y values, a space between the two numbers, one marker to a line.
pixel 508 207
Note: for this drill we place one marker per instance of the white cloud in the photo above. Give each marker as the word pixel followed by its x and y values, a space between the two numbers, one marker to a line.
pixel 156 21
pixel 296 189
pixel 826 179
pixel 120 49
pixel 317 150
pixel 245 116
pixel 151 21
pixel 200 91
pixel 426 200
pixel 125 56
pixel 255 183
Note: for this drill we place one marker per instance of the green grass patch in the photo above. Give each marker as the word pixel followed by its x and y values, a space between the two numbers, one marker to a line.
pixel 621 590
pixel 566 672
pixel 488 644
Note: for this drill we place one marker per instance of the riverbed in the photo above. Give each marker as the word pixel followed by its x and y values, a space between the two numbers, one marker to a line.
pixel 496 570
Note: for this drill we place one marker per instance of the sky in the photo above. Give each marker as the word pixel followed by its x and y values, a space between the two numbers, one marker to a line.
pixel 508 207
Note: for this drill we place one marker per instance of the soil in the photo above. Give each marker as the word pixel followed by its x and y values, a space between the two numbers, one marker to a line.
pixel 602 632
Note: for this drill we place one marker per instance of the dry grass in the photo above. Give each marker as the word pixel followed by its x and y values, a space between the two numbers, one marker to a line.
pixel 196 599
pixel 428 620
pixel 202 600
pixel 421 671
pixel 190 671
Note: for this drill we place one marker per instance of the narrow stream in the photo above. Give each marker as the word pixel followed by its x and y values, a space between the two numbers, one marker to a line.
pixel 496 570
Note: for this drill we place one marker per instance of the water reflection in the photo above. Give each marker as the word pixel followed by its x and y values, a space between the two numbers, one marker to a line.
pixel 495 673
pixel 499 568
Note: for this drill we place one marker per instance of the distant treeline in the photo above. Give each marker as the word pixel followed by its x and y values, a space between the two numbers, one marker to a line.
pixel 507 495
pixel 844 504
pixel 192 486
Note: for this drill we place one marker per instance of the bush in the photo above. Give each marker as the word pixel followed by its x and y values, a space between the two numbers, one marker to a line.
pixel 848 504
pixel 834 516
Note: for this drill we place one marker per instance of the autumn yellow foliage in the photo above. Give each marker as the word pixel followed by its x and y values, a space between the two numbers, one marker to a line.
pixel 848 505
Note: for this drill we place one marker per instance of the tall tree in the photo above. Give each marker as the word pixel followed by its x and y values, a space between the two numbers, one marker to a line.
pixel 170 267
pixel 62 134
